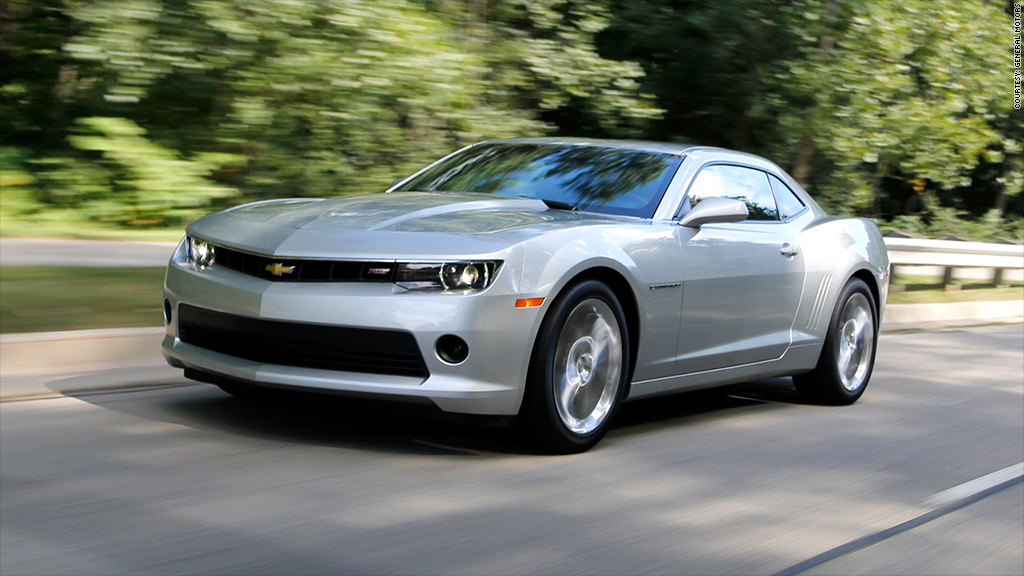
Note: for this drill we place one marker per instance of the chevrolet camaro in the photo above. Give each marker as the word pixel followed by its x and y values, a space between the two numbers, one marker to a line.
pixel 545 279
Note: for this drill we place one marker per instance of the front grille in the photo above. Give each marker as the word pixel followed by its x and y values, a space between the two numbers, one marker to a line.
pixel 305 345
pixel 302 270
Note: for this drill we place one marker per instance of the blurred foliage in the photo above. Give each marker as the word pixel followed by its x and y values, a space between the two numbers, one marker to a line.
pixel 882 109
pixel 904 90
pixel 135 181
pixel 142 114
pixel 946 222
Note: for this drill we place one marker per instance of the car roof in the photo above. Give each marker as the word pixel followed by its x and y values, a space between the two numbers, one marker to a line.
pixel 645 145
pixel 675 148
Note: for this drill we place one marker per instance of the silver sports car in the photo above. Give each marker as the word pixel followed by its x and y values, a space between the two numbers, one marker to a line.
pixel 548 279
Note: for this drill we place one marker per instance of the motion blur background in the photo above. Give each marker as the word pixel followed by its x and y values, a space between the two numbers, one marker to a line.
pixel 130 118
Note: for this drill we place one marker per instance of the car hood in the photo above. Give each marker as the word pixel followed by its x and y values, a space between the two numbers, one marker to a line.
pixel 399 224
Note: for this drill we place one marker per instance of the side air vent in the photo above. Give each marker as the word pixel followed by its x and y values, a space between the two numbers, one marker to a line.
pixel 819 302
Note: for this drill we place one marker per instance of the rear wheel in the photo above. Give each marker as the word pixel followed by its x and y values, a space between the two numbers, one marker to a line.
pixel 579 369
pixel 848 356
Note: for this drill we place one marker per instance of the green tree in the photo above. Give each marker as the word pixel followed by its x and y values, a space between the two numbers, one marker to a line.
pixel 306 98
pixel 882 90
pixel 705 62
pixel 882 109
pixel 149 184
pixel 543 55
pixel 879 108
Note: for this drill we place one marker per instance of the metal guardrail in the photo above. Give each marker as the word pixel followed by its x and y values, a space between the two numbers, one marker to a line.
pixel 952 254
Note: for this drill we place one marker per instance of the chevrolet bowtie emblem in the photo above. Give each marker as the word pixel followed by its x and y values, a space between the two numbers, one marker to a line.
pixel 278 269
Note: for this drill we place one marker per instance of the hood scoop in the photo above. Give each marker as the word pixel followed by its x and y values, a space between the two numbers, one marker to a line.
pixel 427 212
pixel 467 217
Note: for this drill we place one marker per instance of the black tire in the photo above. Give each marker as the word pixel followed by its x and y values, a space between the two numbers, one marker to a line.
pixel 579 369
pixel 852 338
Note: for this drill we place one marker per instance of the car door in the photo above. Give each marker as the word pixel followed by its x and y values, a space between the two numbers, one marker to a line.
pixel 742 281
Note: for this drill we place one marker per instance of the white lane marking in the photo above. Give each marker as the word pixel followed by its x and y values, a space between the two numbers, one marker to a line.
pixel 977 485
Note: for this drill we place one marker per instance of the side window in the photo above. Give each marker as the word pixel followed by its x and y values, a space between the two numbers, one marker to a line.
pixel 789 203
pixel 745 184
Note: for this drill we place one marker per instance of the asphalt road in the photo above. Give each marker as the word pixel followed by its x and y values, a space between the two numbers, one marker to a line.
pixel 186 479
pixel 67 252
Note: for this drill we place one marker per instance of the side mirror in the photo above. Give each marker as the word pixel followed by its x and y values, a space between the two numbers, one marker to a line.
pixel 715 210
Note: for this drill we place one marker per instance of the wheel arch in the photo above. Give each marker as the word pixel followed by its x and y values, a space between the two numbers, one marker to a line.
pixel 622 289
pixel 872 282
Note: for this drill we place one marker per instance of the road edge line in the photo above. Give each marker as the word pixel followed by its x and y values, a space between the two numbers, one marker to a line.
pixel 969 497
pixel 972 487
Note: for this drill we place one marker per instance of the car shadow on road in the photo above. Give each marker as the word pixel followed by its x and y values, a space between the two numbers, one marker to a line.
pixel 371 425
pixel 688 408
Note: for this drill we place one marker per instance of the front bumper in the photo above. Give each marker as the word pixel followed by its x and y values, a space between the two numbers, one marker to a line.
pixel 490 381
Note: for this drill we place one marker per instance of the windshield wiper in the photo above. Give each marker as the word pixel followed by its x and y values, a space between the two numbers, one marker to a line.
pixel 559 205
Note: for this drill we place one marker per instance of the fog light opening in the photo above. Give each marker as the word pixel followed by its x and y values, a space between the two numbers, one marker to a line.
pixel 167 311
pixel 451 349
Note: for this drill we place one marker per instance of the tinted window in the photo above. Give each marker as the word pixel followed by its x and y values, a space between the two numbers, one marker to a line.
pixel 592 178
pixel 744 184
pixel 789 203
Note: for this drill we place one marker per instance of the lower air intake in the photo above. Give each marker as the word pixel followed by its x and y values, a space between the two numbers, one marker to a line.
pixel 305 345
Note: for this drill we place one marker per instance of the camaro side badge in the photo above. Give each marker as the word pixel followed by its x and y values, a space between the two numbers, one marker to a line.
pixel 278 269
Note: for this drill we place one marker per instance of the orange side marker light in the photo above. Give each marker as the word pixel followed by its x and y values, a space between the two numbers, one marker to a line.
pixel 529 302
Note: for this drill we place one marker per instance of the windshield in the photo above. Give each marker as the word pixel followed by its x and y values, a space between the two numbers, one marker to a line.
pixel 591 178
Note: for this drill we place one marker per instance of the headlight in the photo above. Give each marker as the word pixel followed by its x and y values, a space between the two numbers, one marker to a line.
pixel 200 252
pixel 451 276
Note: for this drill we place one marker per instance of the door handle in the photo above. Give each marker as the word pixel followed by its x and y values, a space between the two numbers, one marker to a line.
pixel 789 250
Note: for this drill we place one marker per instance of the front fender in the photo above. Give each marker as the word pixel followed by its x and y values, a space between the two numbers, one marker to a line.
pixel 647 258
pixel 547 270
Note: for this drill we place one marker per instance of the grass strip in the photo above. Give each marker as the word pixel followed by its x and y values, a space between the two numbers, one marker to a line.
pixel 928 290
pixel 45 298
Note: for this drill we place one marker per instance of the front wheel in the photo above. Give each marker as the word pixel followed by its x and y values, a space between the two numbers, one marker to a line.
pixel 579 369
pixel 848 356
